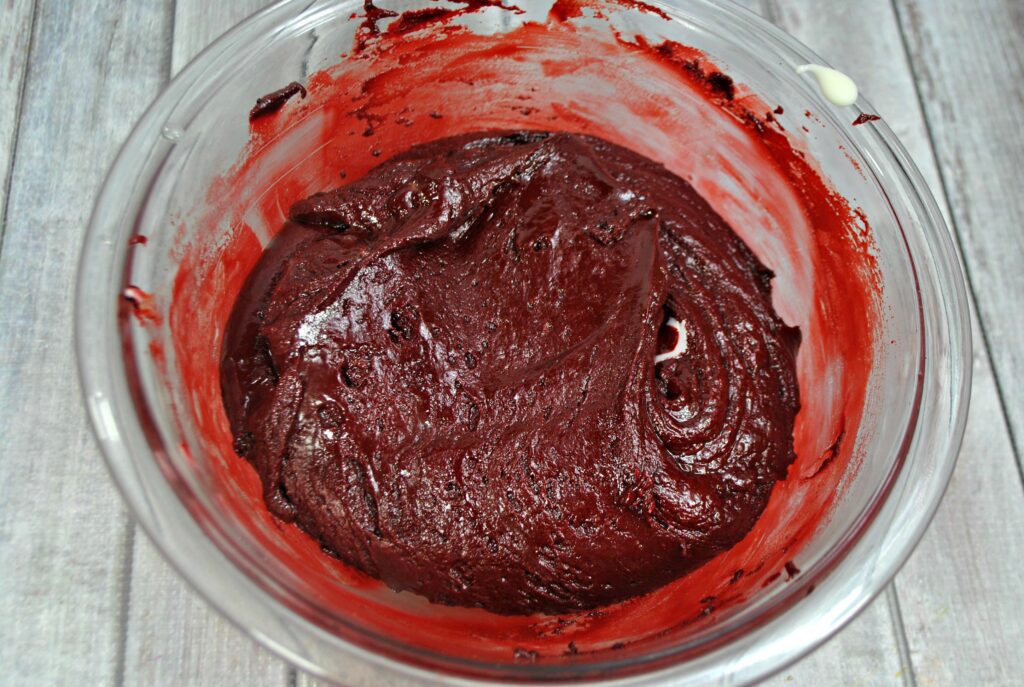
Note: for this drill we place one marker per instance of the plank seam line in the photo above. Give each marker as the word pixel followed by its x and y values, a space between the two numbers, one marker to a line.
pixel 172 8
pixel 125 603
pixel 902 643
pixel 772 12
pixel 957 236
pixel 129 562
pixel 124 609
pixel 291 677
pixel 18 108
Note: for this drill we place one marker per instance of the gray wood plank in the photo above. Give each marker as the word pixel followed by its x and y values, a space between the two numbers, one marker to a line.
pixel 197 23
pixel 63 532
pixel 969 62
pixel 173 636
pixel 959 595
pixel 15 32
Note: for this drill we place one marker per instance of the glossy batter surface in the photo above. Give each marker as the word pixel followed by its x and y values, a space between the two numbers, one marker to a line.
pixel 445 372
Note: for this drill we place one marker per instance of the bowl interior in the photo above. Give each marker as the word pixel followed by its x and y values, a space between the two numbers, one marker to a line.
pixel 788 175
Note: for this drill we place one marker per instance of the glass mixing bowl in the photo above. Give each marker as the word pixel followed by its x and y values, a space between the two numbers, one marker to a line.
pixel 207 191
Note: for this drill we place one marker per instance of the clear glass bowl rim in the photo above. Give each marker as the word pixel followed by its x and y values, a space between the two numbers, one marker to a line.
pixel 104 382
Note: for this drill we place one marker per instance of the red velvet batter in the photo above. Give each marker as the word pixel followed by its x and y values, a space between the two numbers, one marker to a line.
pixel 654 98
pixel 445 372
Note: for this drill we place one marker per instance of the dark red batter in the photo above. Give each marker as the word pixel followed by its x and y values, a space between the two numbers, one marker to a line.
pixel 272 102
pixel 445 372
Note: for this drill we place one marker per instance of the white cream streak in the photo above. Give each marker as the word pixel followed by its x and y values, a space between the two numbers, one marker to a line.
pixel 680 346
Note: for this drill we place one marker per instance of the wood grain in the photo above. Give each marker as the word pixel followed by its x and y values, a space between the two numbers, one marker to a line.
pixel 197 23
pixel 15 34
pixel 62 527
pixel 960 584
pixel 173 636
pixel 969 63
pixel 961 593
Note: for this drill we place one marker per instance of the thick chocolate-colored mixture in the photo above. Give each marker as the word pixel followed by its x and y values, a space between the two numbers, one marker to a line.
pixel 463 374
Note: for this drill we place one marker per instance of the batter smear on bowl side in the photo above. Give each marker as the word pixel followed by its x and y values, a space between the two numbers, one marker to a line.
pixel 525 371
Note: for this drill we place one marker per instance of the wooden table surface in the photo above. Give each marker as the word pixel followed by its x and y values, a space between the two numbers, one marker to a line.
pixel 85 598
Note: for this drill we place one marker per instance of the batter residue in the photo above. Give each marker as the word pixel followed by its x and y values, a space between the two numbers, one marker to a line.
pixel 462 374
